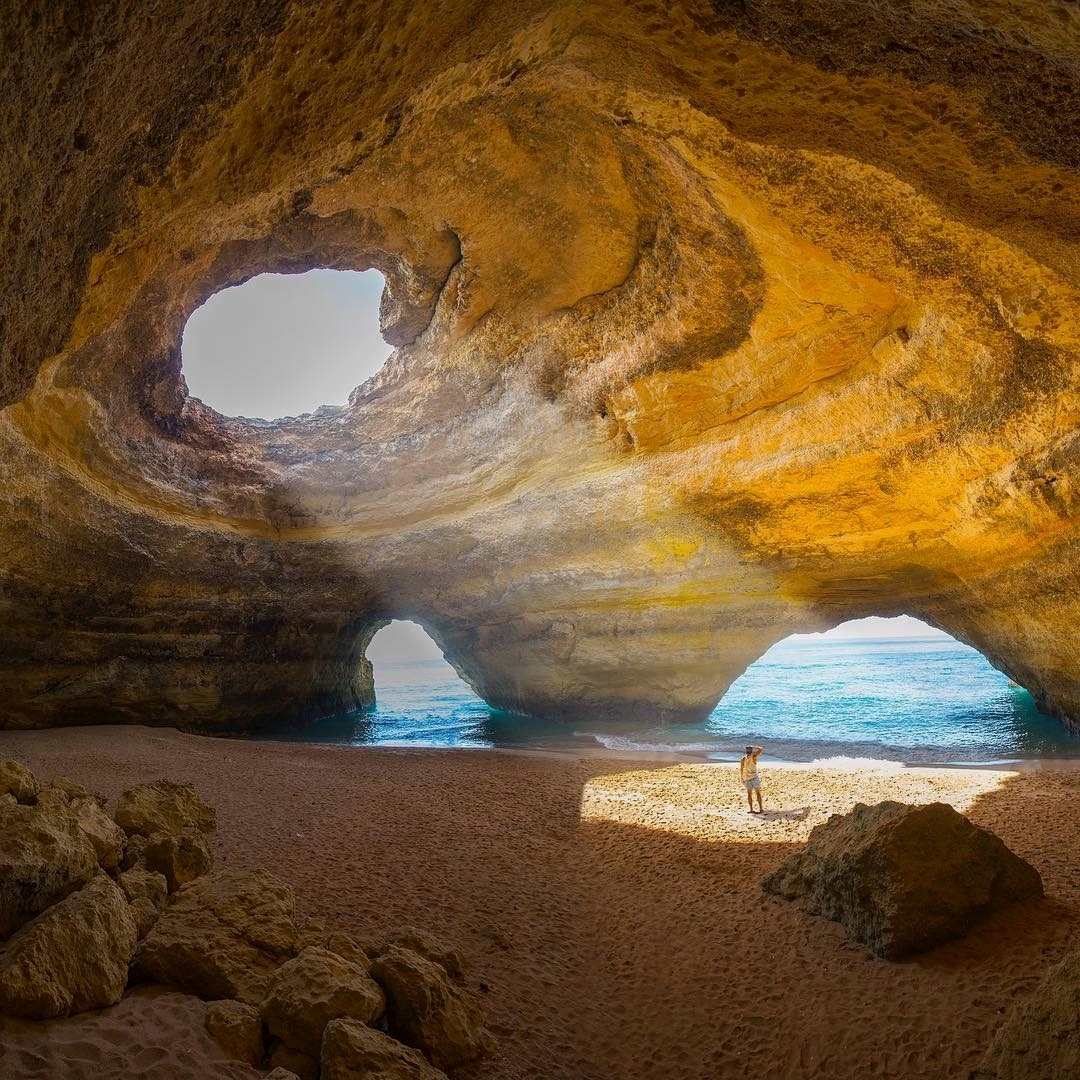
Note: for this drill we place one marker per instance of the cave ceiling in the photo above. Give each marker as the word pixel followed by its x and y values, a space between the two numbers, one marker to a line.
pixel 713 322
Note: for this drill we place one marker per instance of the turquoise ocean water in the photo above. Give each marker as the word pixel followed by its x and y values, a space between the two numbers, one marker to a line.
pixel 913 700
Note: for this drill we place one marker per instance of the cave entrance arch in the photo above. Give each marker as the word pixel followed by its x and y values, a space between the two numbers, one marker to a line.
pixel 280 345
pixel 892 689
pixel 419 698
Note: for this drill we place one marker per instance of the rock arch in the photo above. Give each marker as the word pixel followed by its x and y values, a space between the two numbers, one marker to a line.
pixel 689 357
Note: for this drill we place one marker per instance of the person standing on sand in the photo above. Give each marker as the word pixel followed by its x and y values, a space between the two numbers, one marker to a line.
pixel 748 774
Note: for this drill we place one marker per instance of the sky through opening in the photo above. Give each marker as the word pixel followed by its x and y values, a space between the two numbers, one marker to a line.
pixel 284 344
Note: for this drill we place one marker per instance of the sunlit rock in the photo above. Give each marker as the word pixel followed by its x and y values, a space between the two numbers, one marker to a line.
pixel 713 323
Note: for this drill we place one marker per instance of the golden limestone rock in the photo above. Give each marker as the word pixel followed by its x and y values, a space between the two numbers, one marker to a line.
pixel 712 322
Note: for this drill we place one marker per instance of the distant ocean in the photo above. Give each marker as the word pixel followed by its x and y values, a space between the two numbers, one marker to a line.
pixel 910 700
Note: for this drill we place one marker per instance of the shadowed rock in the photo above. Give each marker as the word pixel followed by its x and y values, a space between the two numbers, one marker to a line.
pixel 426 1010
pixel 88 811
pixel 19 781
pixel 306 993
pixel 221 937
pixel 293 1062
pixel 72 958
pixel 44 855
pixel 1041 1035
pixel 903 879
pixel 180 858
pixel 238 1030
pixel 353 1051
pixel 139 882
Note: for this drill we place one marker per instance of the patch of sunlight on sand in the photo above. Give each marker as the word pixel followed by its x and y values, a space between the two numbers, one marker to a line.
pixel 708 802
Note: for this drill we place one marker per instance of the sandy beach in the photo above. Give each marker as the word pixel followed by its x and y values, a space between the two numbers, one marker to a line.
pixel 609 908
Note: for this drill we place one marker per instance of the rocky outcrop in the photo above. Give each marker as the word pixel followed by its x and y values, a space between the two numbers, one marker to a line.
pixel 903 879
pixel 222 936
pixel 71 958
pixel 354 1051
pixel 229 938
pixel 318 986
pixel 1041 1035
pixel 426 1010
pixel 712 324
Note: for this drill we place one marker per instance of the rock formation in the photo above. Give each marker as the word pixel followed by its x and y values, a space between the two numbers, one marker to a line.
pixel 713 323
pixel 1041 1035
pixel 229 938
pixel 904 879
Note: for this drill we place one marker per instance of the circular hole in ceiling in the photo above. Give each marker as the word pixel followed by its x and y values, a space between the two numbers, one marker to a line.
pixel 284 344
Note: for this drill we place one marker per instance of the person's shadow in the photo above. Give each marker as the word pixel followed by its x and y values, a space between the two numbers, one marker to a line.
pixel 800 814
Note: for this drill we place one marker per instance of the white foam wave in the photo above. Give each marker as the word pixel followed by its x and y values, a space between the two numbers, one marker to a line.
pixel 858 764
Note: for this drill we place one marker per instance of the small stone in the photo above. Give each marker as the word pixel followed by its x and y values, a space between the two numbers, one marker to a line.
pixel 133 853
pixel 429 947
pixel 349 949
pixel 88 810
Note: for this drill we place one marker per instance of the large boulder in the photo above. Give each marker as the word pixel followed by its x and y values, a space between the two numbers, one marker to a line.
pixel 72 958
pixel 44 855
pixel 424 1008
pixel 1040 1037
pixel 221 936
pixel 318 986
pixel 19 781
pixel 164 808
pixel 180 859
pixel 238 1030
pixel 354 1051
pixel 903 879
pixel 88 810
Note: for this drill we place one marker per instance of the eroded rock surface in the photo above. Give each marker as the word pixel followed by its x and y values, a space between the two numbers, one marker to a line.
pixel 221 937
pixel 713 323
pixel 238 1029
pixel 44 856
pixel 903 879
pixel 318 986
pixel 425 1009
pixel 1041 1035
pixel 71 958
pixel 164 808
pixel 354 1051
